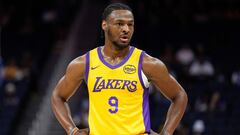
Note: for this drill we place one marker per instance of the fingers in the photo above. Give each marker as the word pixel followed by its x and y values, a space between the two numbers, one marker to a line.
pixel 84 131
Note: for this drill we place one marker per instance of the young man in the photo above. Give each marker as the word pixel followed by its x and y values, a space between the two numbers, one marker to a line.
pixel 118 76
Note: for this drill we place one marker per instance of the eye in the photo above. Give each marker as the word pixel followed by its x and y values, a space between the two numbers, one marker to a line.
pixel 130 24
pixel 120 24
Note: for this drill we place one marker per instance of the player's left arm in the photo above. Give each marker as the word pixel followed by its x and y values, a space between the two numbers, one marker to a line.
pixel 158 74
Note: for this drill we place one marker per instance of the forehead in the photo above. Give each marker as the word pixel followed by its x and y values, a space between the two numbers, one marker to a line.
pixel 123 15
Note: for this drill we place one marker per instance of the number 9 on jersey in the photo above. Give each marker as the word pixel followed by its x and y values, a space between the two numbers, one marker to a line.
pixel 113 102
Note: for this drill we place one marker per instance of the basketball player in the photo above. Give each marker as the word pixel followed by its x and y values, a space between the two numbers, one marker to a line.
pixel 118 76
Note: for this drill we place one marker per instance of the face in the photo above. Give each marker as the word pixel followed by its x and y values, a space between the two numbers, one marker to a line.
pixel 118 28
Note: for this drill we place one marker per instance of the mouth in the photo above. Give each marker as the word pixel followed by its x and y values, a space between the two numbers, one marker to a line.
pixel 124 38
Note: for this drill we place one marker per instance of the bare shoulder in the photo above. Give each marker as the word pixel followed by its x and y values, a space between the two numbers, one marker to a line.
pixel 79 61
pixel 152 61
pixel 76 67
pixel 153 66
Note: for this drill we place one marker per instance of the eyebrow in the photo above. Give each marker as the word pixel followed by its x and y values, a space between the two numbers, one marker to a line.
pixel 123 20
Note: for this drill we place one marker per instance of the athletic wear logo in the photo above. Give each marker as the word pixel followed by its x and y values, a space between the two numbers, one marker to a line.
pixel 92 68
pixel 114 84
pixel 129 69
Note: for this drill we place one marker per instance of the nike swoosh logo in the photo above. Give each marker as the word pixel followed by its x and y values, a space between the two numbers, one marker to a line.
pixel 92 68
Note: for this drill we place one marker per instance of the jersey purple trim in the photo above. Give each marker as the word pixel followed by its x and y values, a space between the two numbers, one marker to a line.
pixel 145 104
pixel 87 67
pixel 119 64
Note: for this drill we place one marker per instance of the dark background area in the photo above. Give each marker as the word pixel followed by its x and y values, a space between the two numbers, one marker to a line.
pixel 198 40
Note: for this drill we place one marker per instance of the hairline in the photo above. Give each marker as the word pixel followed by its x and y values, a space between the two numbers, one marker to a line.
pixel 117 10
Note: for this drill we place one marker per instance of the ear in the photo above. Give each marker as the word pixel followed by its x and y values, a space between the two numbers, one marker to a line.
pixel 104 25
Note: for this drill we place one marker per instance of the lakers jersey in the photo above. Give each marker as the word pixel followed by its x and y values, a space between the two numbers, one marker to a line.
pixel 118 95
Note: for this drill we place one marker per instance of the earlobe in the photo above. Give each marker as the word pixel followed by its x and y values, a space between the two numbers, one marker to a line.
pixel 104 25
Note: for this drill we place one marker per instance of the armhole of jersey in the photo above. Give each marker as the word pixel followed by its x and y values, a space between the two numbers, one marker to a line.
pixel 87 67
pixel 145 80
pixel 142 76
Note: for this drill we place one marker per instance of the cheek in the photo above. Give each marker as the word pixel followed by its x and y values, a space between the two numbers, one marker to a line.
pixel 132 31
pixel 113 32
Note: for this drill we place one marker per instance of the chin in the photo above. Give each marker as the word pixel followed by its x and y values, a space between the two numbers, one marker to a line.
pixel 122 45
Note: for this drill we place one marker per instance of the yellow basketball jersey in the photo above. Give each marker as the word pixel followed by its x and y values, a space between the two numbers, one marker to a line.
pixel 118 98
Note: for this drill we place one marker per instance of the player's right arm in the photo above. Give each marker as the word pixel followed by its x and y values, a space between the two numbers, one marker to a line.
pixel 65 88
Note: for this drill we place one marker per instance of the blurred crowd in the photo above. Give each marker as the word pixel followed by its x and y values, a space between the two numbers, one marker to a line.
pixel 29 32
pixel 196 39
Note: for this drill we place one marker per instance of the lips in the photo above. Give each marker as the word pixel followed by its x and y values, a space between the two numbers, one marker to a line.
pixel 124 38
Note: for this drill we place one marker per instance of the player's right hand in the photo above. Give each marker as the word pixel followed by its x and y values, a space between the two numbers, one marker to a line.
pixel 84 131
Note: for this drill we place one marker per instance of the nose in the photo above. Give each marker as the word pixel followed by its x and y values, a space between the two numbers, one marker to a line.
pixel 125 28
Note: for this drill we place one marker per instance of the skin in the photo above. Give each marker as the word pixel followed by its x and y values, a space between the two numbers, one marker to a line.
pixel 118 29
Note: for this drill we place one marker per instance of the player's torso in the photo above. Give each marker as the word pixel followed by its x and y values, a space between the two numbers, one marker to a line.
pixel 117 100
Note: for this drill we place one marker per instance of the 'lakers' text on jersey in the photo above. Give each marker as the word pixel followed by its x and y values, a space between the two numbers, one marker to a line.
pixel 118 95
pixel 102 83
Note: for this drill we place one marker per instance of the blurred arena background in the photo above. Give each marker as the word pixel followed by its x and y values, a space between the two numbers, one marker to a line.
pixel 198 40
